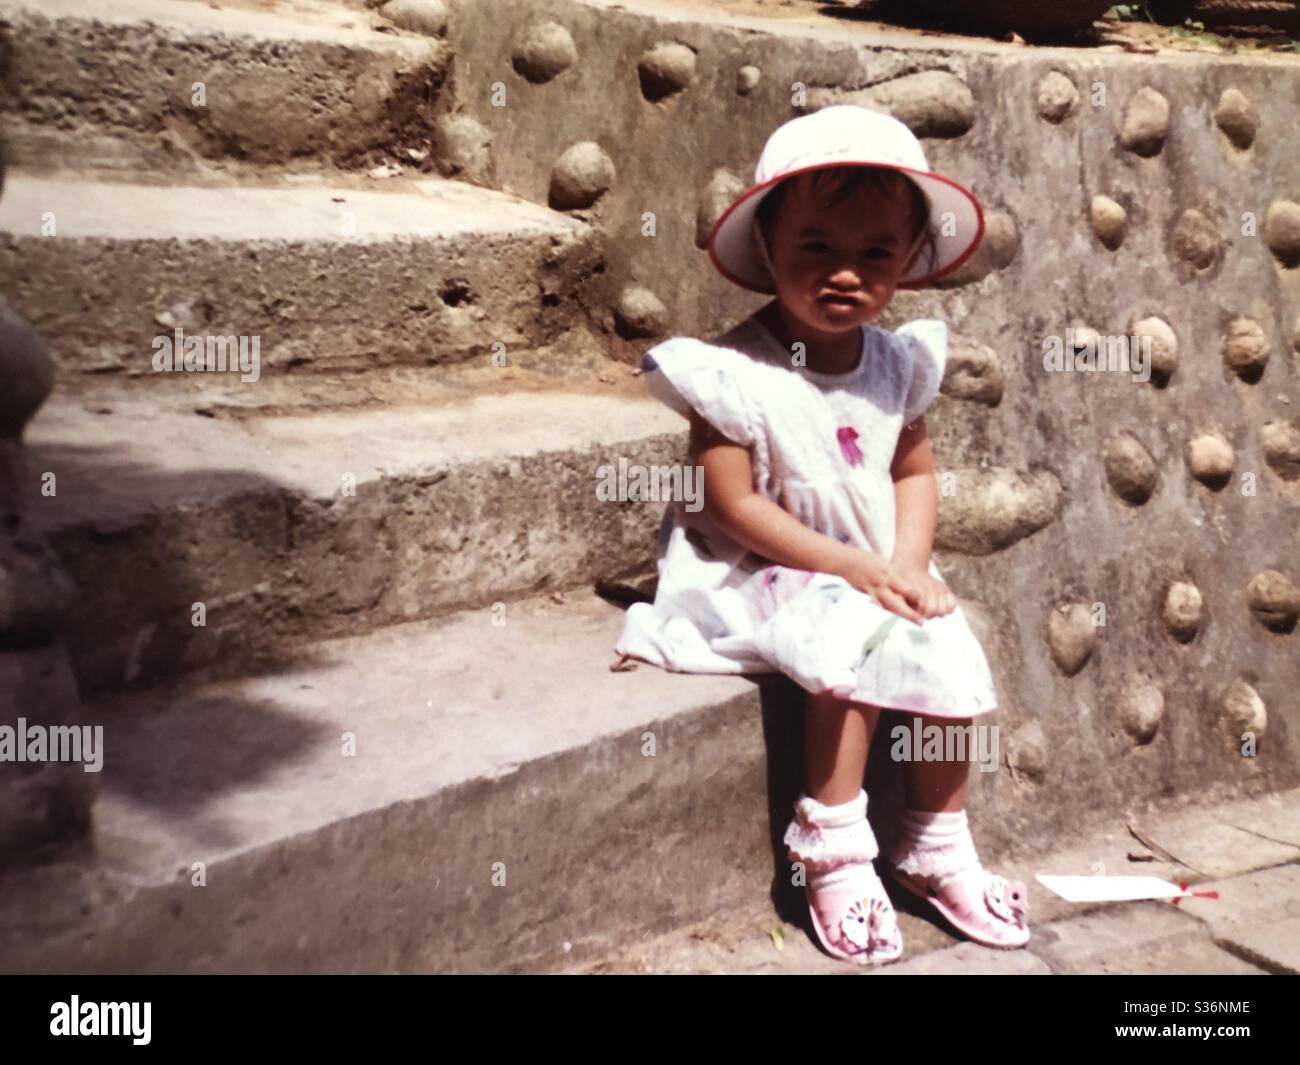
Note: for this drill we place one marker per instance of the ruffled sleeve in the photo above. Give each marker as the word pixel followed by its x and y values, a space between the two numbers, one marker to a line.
pixel 926 341
pixel 687 374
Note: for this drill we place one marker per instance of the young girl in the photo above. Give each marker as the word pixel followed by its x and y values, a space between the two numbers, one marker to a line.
pixel 811 554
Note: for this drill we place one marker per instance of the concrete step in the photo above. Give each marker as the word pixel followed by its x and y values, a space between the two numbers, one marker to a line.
pixel 292 521
pixel 603 803
pixel 166 84
pixel 320 277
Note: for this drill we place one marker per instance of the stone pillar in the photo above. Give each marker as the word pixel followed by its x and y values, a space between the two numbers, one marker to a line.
pixel 42 803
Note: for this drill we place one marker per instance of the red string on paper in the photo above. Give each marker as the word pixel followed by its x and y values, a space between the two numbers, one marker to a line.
pixel 1193 894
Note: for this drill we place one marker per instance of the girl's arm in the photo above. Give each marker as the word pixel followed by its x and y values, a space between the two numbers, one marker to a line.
pixel 916 505
pixel 762 526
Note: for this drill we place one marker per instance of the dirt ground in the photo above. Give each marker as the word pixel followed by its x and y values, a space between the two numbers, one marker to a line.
pixel 1134 34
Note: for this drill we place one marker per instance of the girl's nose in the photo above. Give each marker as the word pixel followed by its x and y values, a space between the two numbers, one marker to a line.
pixel 846 276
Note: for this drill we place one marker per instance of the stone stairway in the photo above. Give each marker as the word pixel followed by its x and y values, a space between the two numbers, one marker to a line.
pixel 394 743
pixel 378 467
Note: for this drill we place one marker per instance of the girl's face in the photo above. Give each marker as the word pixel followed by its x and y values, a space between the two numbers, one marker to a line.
pixel 838 267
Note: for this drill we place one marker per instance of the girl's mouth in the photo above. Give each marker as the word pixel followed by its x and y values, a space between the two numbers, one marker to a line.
pixel 844 302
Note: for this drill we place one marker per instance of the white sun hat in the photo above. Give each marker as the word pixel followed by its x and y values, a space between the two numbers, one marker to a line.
pixel 845 135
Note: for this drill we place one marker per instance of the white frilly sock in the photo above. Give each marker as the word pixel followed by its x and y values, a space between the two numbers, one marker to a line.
pixel 934 843
pixel 828 837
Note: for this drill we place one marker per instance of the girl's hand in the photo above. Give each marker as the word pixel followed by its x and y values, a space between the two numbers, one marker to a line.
pixel 936 598
pixel 896 589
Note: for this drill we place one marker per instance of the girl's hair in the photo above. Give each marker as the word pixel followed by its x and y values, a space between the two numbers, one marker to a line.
pixel 836 184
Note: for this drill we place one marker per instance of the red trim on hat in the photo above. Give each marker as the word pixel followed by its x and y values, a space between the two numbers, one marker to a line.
pixel 755 190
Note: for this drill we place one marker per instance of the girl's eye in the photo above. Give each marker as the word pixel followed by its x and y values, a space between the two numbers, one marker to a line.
pixel 877 252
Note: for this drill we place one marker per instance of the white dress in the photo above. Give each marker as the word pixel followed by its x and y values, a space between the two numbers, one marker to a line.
pixel 822 446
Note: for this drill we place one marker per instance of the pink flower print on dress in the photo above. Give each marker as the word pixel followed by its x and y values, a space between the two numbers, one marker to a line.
pixel 847 436
pixel 773 586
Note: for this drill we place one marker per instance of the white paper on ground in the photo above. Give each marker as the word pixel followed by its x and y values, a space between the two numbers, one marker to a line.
pixel 1109 888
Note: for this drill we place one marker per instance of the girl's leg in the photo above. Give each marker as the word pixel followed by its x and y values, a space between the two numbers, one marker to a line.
pixel 837 737
pixel 832 840
pixel 935 846
pixel 936 786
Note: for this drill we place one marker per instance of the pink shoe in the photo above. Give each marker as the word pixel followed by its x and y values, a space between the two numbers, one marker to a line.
pixel 853 917
pixel 851 913
pixel 982 906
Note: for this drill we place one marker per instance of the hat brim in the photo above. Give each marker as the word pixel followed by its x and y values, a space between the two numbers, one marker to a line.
pixel 734 252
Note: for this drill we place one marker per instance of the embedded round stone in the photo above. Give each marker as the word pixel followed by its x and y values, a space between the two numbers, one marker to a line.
pixel 747 78
pixel 1282 232
pixel 992 508
pixel 1083 337
pixel 581 176
pixel 1146 122
pixel 1108 221
pixel 1163 345
pixel 1028 754
pixel 1236 116
pixel 1057 97
pixel 1139 709
pixel 1210 459
pixel 1183 610
pixel 666 69
pixel 428 17
pixel 1274 599
pixel 1280 442
pixel 1196 239
pixel 721 192
pixel 996 251
pixel 974 372
pixel 640 313
pixel 1071 636
pixel 1241 710
pixel 1130 469
pixel 543 51
pixel 1001 238
pixel 1245 349
pixel 463 147
pixel 932 103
